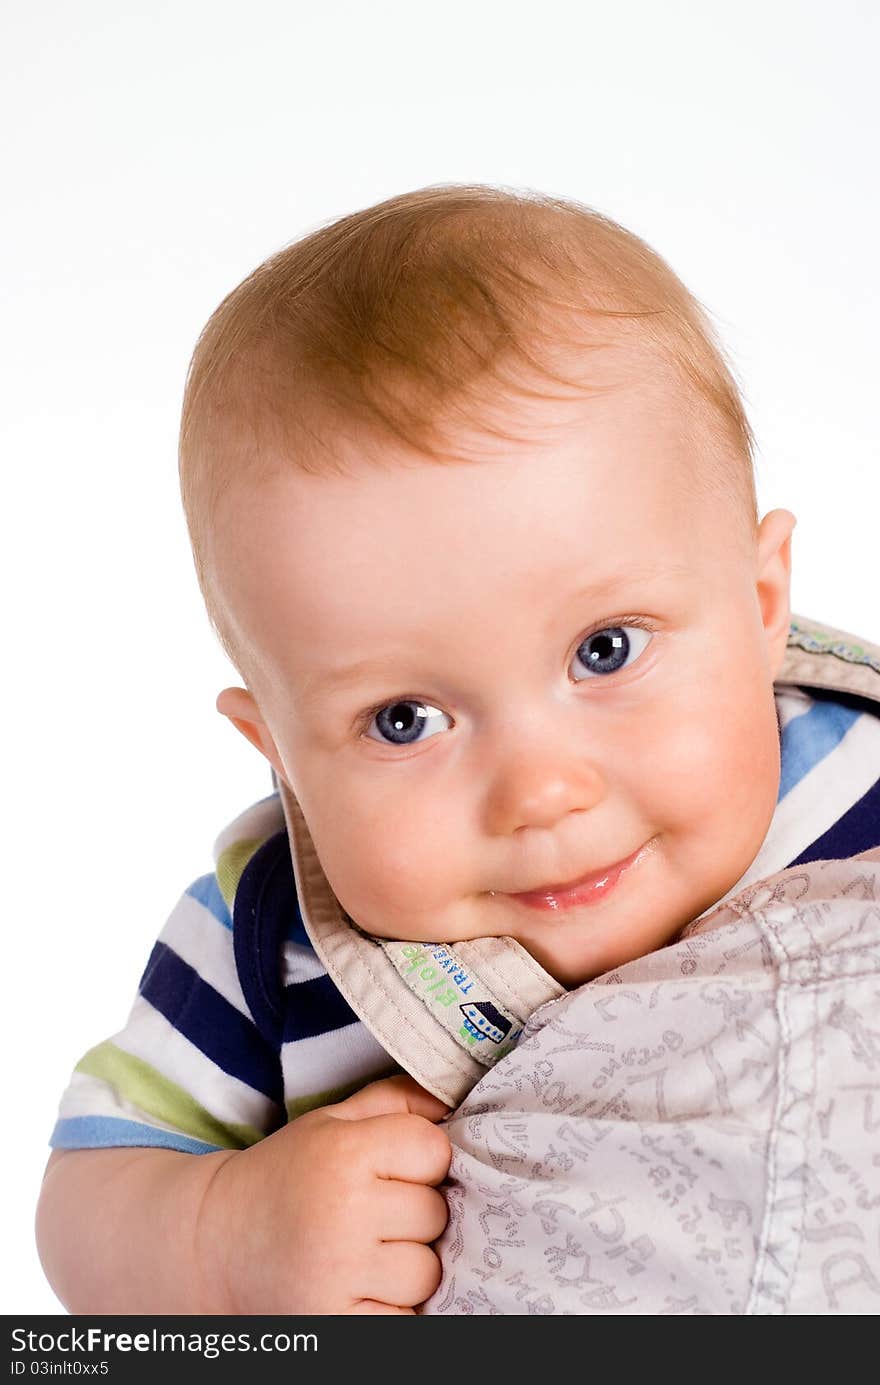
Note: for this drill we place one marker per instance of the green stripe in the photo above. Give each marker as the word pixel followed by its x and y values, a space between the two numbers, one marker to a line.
pixel 141 1084
pixel 231 864
pixel 298 1105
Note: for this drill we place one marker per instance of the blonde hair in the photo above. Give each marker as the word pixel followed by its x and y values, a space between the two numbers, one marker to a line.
pixel 407 315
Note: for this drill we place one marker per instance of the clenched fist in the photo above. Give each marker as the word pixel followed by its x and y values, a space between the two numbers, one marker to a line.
pixel 333 1214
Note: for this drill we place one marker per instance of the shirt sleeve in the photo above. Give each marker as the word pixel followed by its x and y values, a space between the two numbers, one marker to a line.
pixel 190 1070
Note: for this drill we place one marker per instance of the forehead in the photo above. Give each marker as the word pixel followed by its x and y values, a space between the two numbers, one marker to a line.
pixel 593 491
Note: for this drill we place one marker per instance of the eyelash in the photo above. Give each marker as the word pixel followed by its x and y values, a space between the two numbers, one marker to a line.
pixel 640 622
pixel 362 723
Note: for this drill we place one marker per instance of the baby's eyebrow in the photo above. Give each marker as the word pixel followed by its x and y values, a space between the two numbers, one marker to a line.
pixel 634 574
pixel 335 679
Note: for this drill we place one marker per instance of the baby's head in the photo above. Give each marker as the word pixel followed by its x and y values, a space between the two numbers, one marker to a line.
pixel 470 492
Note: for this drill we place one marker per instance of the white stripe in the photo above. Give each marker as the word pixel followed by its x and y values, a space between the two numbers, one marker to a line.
pixel 90 1096
pixel 324 1061
pixel 792 703
pixel 201 941
pixel 300 963
pixel 261 819
pixel 150 1036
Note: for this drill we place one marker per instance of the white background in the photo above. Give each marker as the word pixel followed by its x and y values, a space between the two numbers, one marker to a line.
pixel 155 153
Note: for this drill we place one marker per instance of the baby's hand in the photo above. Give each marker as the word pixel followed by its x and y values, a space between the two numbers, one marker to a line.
pixel 333 1214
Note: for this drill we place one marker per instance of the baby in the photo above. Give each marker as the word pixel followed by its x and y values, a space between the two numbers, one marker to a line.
pixel 470 492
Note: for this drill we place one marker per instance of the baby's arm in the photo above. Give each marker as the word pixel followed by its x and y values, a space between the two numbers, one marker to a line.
pixel 332 1214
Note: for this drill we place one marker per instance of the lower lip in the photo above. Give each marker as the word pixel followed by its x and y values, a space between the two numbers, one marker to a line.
pixel 590 890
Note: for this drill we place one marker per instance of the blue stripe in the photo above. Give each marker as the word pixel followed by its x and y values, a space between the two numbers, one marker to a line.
pixel 105 1132
pixel 207 892
pixel 207 1019
pixel 858 830
pixel 807 739
pixel 315 1007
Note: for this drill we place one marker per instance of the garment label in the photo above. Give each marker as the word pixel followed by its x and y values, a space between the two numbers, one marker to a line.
pixel 456 997
pixel 818 642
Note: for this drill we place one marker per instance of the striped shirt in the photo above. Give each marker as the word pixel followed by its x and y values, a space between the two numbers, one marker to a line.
pixel 237 1028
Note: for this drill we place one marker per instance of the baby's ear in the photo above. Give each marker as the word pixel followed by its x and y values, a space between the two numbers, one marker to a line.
pixel 239 706
pixel 774 582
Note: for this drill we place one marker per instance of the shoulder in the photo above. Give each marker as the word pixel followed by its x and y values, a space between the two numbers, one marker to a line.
pixel 254 884
pixel 195 961
pixel 240 841
pixel 829 790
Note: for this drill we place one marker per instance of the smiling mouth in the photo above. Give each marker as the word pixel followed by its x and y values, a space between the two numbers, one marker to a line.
pixel 588 889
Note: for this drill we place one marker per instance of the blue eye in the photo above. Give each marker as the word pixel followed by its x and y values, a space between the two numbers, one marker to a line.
pixel 608 650
pixel 403 723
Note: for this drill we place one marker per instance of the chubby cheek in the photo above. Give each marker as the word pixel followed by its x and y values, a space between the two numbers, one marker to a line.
pixel 386 865
pixel 717 769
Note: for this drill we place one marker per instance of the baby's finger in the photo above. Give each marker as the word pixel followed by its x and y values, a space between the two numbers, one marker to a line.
pixel 402 1273
pixel 369 1307
pixel 408 1148
pixel 409 1211
pixel 390 1095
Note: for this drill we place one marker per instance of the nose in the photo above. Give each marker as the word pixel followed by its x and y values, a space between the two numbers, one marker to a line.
pixel 538 782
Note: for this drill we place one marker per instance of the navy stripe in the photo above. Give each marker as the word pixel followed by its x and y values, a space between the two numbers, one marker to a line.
pixel 296 929
pixel 858 830
pixel 264 904
pixel 315 1007
pixel 206 1018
